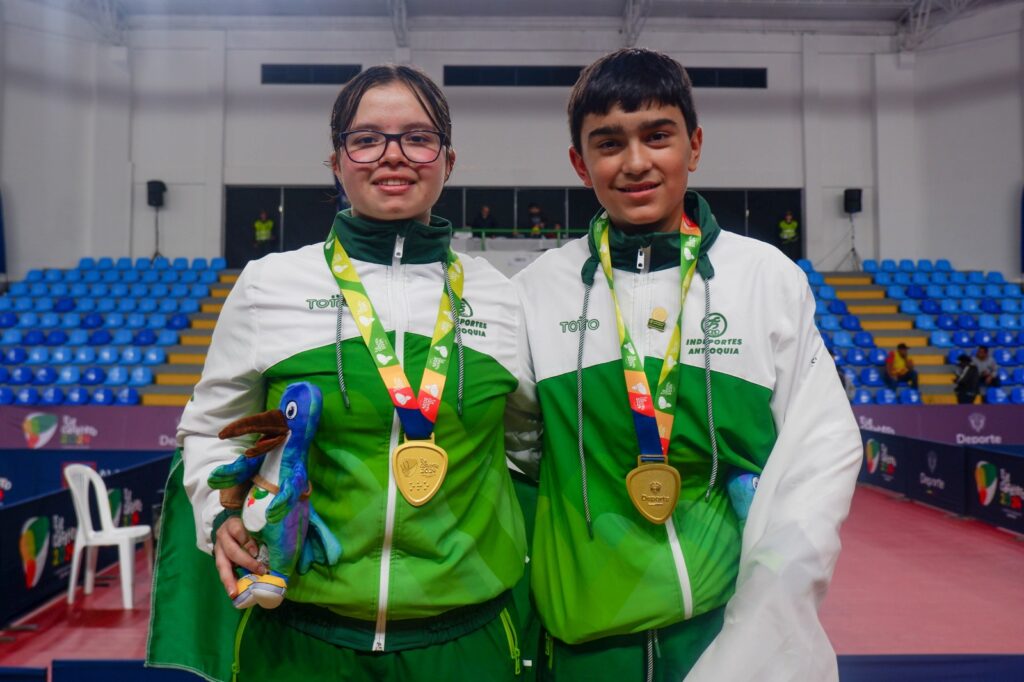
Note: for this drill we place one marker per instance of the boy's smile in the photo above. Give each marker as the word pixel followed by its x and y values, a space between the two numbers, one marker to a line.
pixel 638 164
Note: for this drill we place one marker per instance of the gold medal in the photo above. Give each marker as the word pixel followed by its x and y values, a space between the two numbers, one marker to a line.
pixel 419 469
pixel 654 489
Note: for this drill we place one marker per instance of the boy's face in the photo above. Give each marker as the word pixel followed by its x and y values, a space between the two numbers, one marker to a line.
pixel 638 164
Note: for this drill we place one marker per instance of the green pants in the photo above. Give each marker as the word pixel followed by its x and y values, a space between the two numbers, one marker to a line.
pixel 624 658
pixel 529 622
pixel 269 650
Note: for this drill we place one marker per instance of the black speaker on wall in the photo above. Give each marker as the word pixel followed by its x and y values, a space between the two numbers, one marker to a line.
pixel 155 193
pixel 851 201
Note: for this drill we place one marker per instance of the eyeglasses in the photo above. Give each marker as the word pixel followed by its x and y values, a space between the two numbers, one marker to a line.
pixel 368 146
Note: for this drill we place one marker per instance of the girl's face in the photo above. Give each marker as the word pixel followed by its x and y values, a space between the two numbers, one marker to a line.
pixel 393 188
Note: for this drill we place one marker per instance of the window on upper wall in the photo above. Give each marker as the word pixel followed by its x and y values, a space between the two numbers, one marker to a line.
pixel 308 74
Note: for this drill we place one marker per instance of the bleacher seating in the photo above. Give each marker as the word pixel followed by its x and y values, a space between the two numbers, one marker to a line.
pixel 93 334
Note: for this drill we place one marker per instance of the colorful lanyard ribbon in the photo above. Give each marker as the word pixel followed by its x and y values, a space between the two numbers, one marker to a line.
pixel 417 413
pixel 652 418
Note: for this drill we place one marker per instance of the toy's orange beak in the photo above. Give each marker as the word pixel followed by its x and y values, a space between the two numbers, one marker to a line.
pixel 271 426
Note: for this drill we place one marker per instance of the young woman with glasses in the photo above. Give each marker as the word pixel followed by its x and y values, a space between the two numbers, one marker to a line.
pixel 414 351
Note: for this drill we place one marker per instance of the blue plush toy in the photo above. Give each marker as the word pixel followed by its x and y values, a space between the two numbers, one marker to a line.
pixel 271 477
pixel 741 486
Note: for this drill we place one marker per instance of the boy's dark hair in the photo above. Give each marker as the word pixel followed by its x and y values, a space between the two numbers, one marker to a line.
pixel 632 78
pixel 901 346
pixel 426 91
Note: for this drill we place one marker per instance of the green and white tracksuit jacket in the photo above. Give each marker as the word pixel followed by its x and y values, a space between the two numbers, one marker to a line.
pixel 778 410
pixel 278 326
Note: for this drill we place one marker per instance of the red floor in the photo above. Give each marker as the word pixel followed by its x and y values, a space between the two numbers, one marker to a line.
pixel 910 580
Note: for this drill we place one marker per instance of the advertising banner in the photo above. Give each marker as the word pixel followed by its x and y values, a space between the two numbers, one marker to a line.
pixel 886 459
pixel 997 488
pixel 936 475
pixel 37 536
pixel 969 425
pixel 30 473
pixel 89 428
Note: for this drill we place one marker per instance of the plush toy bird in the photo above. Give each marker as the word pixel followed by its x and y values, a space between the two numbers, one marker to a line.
pixel 270 484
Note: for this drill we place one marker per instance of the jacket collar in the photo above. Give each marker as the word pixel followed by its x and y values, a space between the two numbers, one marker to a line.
pixel 373 241
pixel 664 246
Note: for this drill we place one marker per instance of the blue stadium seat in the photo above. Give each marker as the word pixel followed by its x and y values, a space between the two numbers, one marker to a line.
pixel 883 279
pixel 983 337
pixel 5 374
pixel 188 305
pixel 114 276
pixel 105 263
pixel 107 355
pixel 1011 291
pixel 888 265
pixel 996 396
pixel 34 275
pixel 992 290
pixel 147 305
pixel 856 356
pixel 85 305
pixel 106 305
pixel 113 320
pixel 815 279
pixel 217 264
pixel 148 276
pixel 58 289
pixel 160 263
pixel 90 276
pixel 1005 338
pixel 941 339
pixel 141 376
pixel 829 323
pixel 906 265
pixel 958 277
pixel 1008 321
pixel 943 265
pixel 154 356
pixel 208 277
pixel 902 278
pixel 178 322
pixel 52 275
pixel 969 305
pixel 38 356
pixel 77 396
pixel 950 305
pixel 994 277
pixel 44 376
pixel 988 322
pixel 871 376
pixel 21 305
pixel 11 337
pixel 825 292
pixel 17 289
pixel 180 263
pixel 1005 378
pixel 864 340
pixel 921 278
pixel 826 338
pixel 159 290
pixel 61 355
pixel 200 264
pixel 5 303
pixel 178 291
pixel 976 277
pixel 93 376
pixel 127 305
pixel 916 291
pixel 91 321
pixel 925 265
pixel 909 396
pixel 836 307
pixel 967 322
pixel 877 356
pixel 885 396
pixel 862 397
pixel 122 337
pixel 43 304
pixel 946 323
pixel 135 321
pixel 990 306
pixel 156 321
pixel 84 355
pixel 869 265
pixel 26 396
pixel 6 396
pixel 973 291
pixel 953 356
pixel 941 278
pixel 820 307
pixel 77 337
pixel 67 303
pixel 850 323
pixel 143 263
pixel 116 376
pixel 144 337
pixel 1018 376
pixel 99 290
pixel 805 265
pixel 86 263
pixel 120 290
pixel 38 289
pixel 15 356
pixel 910 307
pixel 963 339
pixel 131 355
pixel 169 277
pixel 1017 395
pixel 138 290
pixel 895 292
pixel 33 337
pixel 127 396
pixel 935 291
pixel 169 337
pixel 100 337
pixel 27 320
pixel 123 263
pixel 51 396
pixel 56 337
pixel 20 376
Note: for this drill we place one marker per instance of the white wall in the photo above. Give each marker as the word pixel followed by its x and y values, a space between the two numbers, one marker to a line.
pixel 935 141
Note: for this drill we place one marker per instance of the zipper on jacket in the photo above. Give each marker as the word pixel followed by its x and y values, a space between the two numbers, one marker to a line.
pixel 643 259
pixel 681 573
pixel 389 517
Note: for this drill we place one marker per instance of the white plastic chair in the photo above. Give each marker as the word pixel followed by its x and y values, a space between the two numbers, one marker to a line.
pixel 88 538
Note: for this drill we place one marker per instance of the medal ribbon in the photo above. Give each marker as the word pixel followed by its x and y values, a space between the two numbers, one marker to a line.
pixel 418 413
pixel 652 417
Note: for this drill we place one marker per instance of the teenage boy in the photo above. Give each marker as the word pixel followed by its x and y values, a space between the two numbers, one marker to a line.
pixel 676 366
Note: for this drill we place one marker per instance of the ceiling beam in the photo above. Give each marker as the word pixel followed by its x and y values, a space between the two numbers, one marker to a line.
pixel 926 17
pixel 398 22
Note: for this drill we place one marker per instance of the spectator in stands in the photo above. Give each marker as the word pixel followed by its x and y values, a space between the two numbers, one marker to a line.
pixel 537 221
pixel 483 222
pixel 789 236
pixel 988 370
pixel 263 234
pixel 386 266
pixel 899 368
pixel 965 383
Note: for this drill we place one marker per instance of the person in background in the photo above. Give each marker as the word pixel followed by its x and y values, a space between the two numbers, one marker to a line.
pixel 965 383
pixel 537 221
pixel 988 370
pixel 483 222
pixel 899 368
pixel 263 234
pixel 788 229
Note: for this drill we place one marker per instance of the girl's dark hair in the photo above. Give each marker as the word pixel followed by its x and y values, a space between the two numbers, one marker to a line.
pixel 425 90
pixel 632 78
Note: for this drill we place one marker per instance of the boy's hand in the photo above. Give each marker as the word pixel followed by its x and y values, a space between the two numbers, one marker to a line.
pixel 234 547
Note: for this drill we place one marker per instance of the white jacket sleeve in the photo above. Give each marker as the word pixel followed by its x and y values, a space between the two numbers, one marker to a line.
pixel 523 426
pixel 231 387
pixel 791 539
